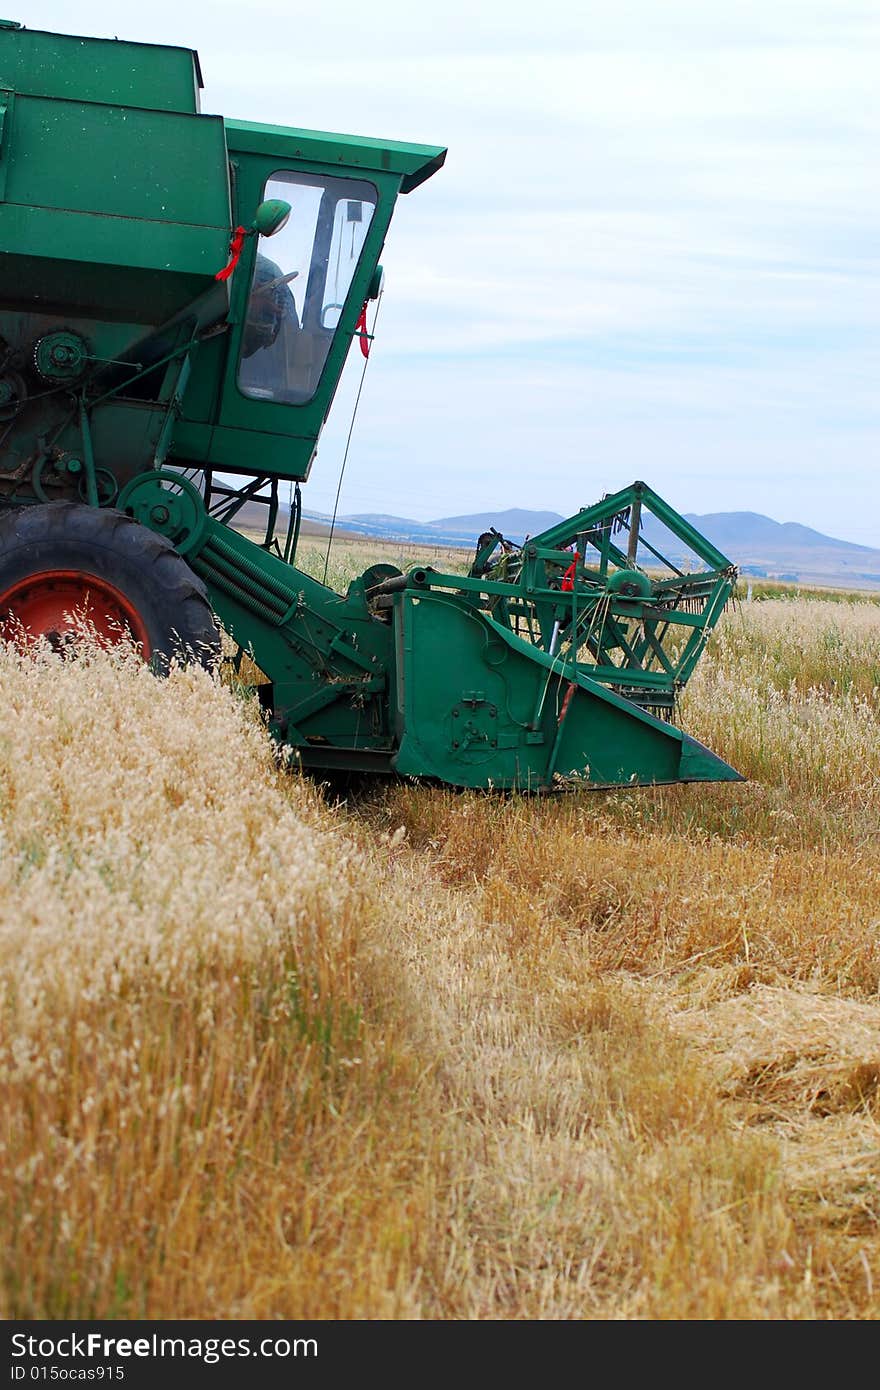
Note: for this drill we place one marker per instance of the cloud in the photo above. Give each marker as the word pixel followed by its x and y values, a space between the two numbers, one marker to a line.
pixel 652 251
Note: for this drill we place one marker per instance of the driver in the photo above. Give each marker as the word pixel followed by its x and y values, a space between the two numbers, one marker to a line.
pixel 271 306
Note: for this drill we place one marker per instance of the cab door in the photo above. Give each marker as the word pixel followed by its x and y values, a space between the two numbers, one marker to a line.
pixel 296 300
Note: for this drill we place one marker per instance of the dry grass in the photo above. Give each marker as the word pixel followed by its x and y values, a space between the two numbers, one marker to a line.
pixel 184 1068
pixel 435 1055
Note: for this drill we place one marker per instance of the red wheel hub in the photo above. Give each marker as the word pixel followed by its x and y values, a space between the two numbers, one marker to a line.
pixel 61 605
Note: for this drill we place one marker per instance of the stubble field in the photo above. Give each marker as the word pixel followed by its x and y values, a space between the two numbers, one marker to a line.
pixel 432 1055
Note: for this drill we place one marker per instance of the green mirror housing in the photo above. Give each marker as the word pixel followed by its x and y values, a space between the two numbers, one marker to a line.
pixel 376 283
pixel 271 216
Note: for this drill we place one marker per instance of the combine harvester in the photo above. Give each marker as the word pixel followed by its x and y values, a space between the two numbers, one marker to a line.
pixel 162 363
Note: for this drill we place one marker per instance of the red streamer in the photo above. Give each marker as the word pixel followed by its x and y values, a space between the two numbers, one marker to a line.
pixel 566 702
pixel 360 329
pixel 235 246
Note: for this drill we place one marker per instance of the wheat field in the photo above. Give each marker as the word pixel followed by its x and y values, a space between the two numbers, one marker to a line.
pixel 417 1054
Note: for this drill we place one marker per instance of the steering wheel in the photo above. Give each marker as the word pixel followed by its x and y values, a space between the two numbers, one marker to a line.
pixel 268 285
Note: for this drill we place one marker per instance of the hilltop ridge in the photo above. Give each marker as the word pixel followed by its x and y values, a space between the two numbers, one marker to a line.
pixel 759 546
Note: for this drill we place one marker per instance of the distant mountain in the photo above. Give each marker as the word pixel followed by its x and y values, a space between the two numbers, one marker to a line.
pixel 252 517
pixel 750 529
pixel 380 526
pixel 383 521
pixel 515 523
pixel 757 545
pixel 786 550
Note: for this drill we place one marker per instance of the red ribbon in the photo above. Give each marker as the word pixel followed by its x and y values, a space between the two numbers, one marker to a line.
pixel 235 246
pixel 566 702
pixel 568 578
pixel 360 329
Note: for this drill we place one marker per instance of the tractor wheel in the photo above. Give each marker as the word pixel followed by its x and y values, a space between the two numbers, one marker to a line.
pixel 65 568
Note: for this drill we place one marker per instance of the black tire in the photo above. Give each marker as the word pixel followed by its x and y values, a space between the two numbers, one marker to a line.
pixel 167 601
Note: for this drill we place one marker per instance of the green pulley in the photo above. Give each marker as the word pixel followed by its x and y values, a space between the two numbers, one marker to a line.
pixel 61 356
pixel 629 584
pixel 168 503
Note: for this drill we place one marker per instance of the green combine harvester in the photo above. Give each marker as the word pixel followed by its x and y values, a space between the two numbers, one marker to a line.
pixel 178 295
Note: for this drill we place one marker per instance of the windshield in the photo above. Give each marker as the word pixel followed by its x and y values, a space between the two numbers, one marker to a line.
pixel 300 284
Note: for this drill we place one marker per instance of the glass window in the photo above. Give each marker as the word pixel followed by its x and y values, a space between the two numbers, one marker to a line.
pixel 302 276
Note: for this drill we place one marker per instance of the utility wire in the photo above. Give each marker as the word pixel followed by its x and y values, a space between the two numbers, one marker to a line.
pixel 347 445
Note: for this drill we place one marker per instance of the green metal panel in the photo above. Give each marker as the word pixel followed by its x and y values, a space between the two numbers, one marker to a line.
pixel 100 276
pixel 106 70
pixel 7 108
pixel 280 455
pixel 142 195
pixel 158 166
pixel 479 707
pixel 414 163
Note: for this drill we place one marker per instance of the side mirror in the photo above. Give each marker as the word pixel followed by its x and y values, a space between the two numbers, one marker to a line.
pixel 271 216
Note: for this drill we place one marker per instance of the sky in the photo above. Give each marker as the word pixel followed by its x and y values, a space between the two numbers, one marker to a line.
pixel 652 252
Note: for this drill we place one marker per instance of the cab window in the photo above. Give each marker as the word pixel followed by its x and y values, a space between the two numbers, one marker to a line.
pixel 301 280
